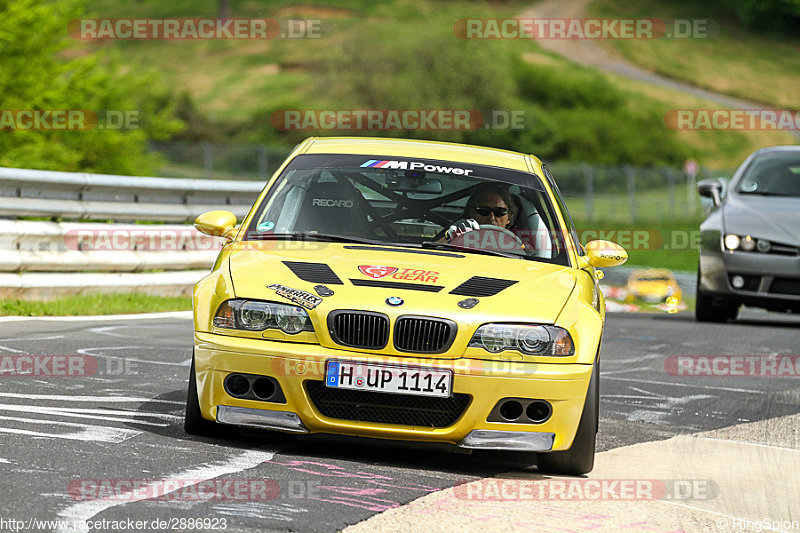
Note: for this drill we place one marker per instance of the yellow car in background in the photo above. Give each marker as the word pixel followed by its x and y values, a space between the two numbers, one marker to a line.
pixel 653 285
pixel 406 290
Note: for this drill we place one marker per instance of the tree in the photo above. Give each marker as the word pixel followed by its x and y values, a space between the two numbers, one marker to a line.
pixel 44 69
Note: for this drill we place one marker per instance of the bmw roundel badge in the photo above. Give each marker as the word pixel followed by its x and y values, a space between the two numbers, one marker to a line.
pixel 394 301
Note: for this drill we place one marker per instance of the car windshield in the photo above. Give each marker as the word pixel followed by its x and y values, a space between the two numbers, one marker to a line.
pixel 411 202
pixel 773 174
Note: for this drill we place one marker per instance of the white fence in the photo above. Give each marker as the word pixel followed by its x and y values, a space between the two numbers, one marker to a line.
pixel 40 258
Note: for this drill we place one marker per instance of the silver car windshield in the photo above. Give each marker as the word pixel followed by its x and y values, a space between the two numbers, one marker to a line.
pixel 773 174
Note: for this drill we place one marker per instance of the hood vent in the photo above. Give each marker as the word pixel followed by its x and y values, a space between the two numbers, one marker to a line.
pixel 396 285
pixel 314 272
pixel 479 286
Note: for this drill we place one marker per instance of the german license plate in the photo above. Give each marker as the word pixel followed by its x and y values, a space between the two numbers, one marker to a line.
pixel 389 378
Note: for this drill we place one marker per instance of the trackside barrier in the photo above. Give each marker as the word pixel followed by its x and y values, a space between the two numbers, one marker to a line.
pixel 40 258
pixel 81 196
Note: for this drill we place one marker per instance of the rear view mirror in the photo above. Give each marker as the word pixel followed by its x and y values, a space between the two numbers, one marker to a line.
pixel 415 182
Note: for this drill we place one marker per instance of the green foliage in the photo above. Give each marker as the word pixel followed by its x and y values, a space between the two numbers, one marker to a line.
pixel 41 72
pixel 418 68
pixel 773 15
pixel 595 121
pixel 676 250
pixel 569 113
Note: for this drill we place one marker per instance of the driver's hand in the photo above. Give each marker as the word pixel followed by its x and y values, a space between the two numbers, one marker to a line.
pixel 460 227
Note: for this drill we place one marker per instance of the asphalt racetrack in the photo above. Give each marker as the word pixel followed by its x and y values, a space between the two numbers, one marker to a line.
pixel 66 438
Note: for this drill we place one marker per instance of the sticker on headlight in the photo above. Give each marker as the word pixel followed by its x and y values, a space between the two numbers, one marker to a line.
pixel 306 299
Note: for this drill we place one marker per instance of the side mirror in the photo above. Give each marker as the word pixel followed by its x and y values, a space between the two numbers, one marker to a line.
pixel 601 254
pixel 216 224
pixel 711 188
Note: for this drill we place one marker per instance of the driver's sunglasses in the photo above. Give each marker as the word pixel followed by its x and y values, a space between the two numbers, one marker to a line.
pixel 484 210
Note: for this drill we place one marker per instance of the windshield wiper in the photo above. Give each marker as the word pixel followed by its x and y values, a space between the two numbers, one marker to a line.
pixel 303 236
pixel 447 246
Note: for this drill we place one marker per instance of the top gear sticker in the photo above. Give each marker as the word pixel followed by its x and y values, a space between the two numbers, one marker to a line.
pixel 377 271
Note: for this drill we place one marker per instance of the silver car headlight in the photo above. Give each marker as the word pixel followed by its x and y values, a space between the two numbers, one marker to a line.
pixel 732 241
pixel 253 315
pixel 529 340
pixel 746 243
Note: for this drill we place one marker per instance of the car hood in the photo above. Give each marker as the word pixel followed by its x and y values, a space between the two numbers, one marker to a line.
pixel 766 217
pixel 538 294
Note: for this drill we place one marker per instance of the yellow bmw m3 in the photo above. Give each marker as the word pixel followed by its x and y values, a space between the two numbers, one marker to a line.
pixel 407 290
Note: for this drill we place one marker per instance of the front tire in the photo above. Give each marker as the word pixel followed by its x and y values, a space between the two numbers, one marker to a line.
pixel 706 310
pixel 579 459
pixel 193 422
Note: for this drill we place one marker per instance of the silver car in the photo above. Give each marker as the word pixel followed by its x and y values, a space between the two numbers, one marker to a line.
pixel 749 243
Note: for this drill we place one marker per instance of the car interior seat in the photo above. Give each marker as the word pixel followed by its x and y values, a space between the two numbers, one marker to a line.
pixel 334 207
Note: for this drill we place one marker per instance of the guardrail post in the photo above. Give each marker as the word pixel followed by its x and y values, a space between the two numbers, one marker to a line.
pixel 263 161
pixel 589 177
pixel 631 191
pixel 208 159
pixel 671 192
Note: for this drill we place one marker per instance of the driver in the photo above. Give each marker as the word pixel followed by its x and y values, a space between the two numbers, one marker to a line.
pixel 490 203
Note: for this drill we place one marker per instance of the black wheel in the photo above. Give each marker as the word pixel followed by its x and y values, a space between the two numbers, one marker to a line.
pixel 193 422
pixel 707 310
pixel 579 459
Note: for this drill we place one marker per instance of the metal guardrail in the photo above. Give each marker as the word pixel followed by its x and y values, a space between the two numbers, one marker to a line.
pixel 30 246
pixel 81 196
pixel 44 259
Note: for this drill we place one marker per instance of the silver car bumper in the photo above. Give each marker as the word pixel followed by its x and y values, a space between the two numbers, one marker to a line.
pixel 769 277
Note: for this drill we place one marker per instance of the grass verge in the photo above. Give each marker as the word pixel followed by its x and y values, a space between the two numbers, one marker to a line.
pixel 95 304
pixel 730 60
pixel 673 245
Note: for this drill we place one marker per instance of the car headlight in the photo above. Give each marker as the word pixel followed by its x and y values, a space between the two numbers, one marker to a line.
pixel 529 340
pixel 252 315
pixel 747 243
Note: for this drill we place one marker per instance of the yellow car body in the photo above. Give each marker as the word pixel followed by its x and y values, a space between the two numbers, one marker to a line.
pixel 653 285
pixel 565 295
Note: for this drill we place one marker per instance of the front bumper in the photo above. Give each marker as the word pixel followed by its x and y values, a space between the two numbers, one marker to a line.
pixel 770 278
pixel 486 382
